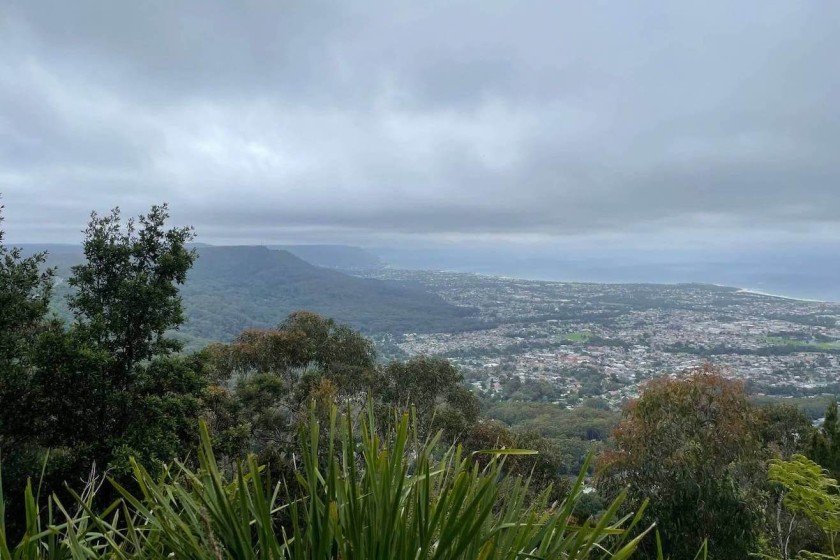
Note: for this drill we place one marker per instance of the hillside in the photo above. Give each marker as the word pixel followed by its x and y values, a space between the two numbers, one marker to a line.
pixel 233 288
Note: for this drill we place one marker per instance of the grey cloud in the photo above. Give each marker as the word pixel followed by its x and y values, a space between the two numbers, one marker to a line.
pixel 284 119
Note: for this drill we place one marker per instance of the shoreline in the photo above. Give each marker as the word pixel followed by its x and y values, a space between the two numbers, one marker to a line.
pixel 780 296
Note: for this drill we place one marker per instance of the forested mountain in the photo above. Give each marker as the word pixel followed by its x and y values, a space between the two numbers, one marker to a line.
pixel 236 287
pixel 232 288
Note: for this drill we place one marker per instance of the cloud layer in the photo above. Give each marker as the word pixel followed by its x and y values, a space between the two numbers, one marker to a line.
pixel 283 121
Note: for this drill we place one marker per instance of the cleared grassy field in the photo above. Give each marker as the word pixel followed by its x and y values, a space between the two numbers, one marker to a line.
pixel 579 336
pixel 814 345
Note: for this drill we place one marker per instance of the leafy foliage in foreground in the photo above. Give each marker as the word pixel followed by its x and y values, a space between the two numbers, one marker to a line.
pixel 810 493
pixel 365 497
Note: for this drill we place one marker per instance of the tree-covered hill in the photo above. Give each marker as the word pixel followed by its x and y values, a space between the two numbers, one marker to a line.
pixel 232 288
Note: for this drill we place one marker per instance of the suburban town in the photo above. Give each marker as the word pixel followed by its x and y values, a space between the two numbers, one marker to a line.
pixel 580 340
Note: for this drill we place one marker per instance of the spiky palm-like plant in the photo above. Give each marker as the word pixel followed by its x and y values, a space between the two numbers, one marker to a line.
pixel 364 496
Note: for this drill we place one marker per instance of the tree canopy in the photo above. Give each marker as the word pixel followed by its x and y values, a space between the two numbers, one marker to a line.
pixel 691 446
pixel 92 394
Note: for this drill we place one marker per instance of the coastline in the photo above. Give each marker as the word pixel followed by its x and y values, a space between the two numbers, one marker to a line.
pixel 780 296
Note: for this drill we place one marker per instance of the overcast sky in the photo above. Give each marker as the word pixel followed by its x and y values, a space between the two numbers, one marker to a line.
pixel 379 122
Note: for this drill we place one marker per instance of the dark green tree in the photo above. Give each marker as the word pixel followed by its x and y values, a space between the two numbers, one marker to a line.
pixel 125 294
pixel 108 386
pixel 125 300
pixel 162 407
pixel 824 447
pixel 785 429
pixel 25 290
pixel 427 383
pixel 333 347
